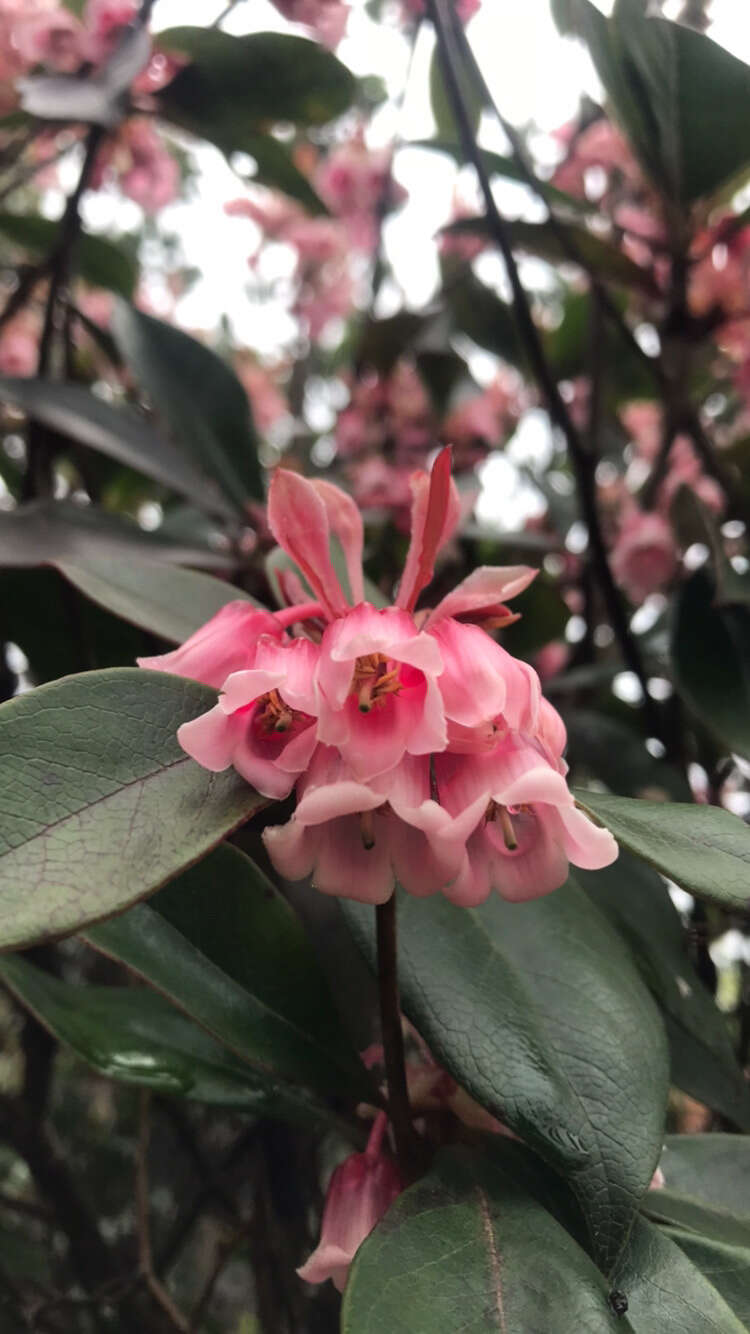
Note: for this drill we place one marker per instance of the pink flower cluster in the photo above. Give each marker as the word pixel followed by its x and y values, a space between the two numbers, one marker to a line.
pixel 420 751
pixel 326 19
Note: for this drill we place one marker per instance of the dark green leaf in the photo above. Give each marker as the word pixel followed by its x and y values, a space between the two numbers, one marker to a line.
pixel 58 532
pixel 497 164
pixel 711 661
pixel 233 86
pixel 274 164
pixel 604 748
pixel 498 993
pixel 170 603
pixel 481 314
pixel 702 848
pixel 636 901
pixel 247 990
pixel 667 1206
pixel 715 1168
pixel 727 1268
pixel 667 1294
pixel 565 243
pixel 101 262
pixel 198 397
pixel 133 1035
pixel 117 432
pixel 440 102
pixel 544 617
pixel 99 803
pixel 468 1248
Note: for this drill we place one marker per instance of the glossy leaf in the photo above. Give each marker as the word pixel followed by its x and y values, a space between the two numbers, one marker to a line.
pixel 469 1248
pixel 714 1168
pixel 710 656
pixel 233 86
pixel 101 262
pixel 198 397
pixel 665 1292
pixel 232 955
pixel 636 901
pixel 668 1206
pixel 727 1268
pixel 169 603
pixel 274 164
pixel 440 102
pixel 133 1035
pixel 481 314
pixel 99 804
pixel 79 415
pixel 59 532
pixel 498 993
pixel 702 848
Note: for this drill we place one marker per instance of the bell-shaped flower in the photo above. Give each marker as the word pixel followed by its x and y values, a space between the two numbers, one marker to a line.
pixel 378 696
pixel 225 644
pixel 360 1192
pixel 357 839
pixel 263 724
pixel 529 828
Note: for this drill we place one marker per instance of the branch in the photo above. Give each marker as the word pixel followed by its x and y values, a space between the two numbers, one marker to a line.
pixel 399 1109
pixel 143 1225
pixel 580 459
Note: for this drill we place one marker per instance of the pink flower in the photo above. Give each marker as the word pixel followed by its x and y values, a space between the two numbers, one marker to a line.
pixel 53 38
pixel 528 828
pixel 360 1192
pixel 644 557
pixel 105 20
pixel 225 644
pixel 465 9
pixel 19 347
pixel 325 18
pixel 266 399
pixel 642 420
pixel 355 182
pixel 143 167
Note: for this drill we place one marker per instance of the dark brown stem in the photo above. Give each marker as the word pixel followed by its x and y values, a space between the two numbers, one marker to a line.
pixel 143 1225
pixel 399 1108
pixel 581 461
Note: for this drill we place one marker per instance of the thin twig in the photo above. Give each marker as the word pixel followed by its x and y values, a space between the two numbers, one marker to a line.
pixel 399 1108
pixel 143 1224
pixel 581 462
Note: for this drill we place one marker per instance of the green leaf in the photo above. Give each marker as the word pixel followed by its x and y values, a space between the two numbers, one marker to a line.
pixel 715 1168
pixel 170 603
pixel 727 1268
pixel 234 86
pixel 666 1294
pixel 604 748
pixel 79 415
pixel 197 396
pixel 711 660
pixel 468 1248
pixel 544 617
pixel 99 804
pixel 498 993
pixel 133 1035
pixel 497 164
pixel 58 532
pixel 667 1206
pixel 440 102
pixel 636 901
pixel 481 314
pixel 99 261
pixel 702 848
pixel 274 164
pixel 549 242
pixel 234 958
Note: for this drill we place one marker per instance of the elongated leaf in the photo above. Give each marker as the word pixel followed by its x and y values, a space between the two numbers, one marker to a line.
pixel 440 102
pixel 99 803
pixel 198 397
pixel 170 603
pixel 668 1206
pixel 711 659
pixel 666 1294
pixel 133 1035
pixel 727 1268
pixel 636 901
pixel 233 86
pixel 481 314
pixel 498 164
pixel 59 532
pixel 498 993
pixel 702 848
pixel 101 262
pixel 117 432
pixel 234 958
pixel 714 1168
pixel 274 163
pixel 468 1248
pixel 592 252
pixel 605 748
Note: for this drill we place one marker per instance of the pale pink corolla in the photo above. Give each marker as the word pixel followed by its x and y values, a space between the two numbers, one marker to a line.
pixel 55 39
pixel 266 399
pixel 643 421
pixel 644 556
pixel 225 644
pixel 356 184
pixel 360 1192
pixel 529 828
pixel 358 839
pixel 465 9
pixel 19 347
pixel 105 21
pixel 326 19
pixel 686 469
pixel 263 724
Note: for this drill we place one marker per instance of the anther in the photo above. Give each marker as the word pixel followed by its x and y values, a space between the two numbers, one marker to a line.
pixel 506 824
pixel 367 830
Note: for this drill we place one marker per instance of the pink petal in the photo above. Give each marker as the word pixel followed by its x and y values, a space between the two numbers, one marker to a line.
pixel 243 688
pixel 436 511
pixel 209 739
pixel 472 884
pixel 292 848
pixel 298 520
pixel 334 800
pixel 327 1261
pixel 586 844
pixel 423 722
pixel 295 660
pixel 483 588
pixel 473 681
pixel 345 522
pixel 346 868
pixel 540 869
pixel 297 754
pixel 223 645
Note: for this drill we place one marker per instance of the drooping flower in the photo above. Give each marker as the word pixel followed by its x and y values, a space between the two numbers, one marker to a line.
pixel 644 557
pixel 360 1192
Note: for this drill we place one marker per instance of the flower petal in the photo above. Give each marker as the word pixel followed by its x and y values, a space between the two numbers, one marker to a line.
pixel 345 523
pixel 209 739
pixel 436 511
pixel 223 645
pixel 298 519
pixel 483 589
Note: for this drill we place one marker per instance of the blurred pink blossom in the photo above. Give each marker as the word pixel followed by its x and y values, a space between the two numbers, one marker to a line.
pixel 644 556
pixel 326 19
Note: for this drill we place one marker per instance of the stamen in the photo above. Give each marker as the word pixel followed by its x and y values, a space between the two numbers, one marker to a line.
pixel 365 694
pixel 367 830
pixel 506 824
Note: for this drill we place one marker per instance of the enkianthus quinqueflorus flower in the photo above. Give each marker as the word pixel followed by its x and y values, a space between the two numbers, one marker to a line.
pixel 420 751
